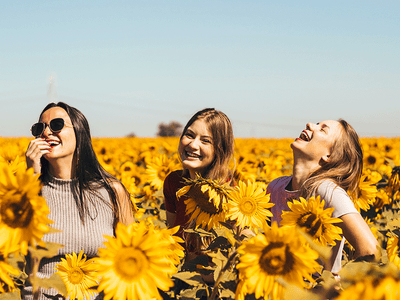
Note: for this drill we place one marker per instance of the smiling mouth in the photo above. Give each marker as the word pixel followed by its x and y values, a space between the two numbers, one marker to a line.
pixel 192 155
pixel 53 144
pixel 304 136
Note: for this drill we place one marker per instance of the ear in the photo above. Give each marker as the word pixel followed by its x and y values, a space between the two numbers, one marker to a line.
pixel 326 158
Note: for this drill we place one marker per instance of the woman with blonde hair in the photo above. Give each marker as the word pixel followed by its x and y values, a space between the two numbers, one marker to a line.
pixel 328 162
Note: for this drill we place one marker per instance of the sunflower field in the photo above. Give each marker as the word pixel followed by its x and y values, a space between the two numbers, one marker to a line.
pixel 242 255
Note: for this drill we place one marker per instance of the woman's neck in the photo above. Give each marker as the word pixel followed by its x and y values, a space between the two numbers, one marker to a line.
pixel 301 171
pixel 62 170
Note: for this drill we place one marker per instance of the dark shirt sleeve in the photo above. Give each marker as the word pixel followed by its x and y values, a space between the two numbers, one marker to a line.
pixel 170 193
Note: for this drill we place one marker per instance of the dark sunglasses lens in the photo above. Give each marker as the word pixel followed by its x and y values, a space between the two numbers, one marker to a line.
pixel 37 129
pixel 56 124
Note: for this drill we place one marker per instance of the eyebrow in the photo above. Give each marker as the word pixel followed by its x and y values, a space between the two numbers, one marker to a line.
pixel 324 125
pixel 203 136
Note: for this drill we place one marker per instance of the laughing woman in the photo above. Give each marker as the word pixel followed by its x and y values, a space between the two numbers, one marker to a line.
pixel 328 161
pixel 85 201
pixel 206 147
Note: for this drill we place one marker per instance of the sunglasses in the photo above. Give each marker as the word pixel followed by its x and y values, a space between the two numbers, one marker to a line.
pixel 55 125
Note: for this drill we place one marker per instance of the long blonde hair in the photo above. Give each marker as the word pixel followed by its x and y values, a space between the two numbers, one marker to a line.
pixel 344 167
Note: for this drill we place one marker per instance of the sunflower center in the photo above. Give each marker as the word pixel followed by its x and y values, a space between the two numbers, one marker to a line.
pixel 75 275
pixel 248 206
pixel 130 263
pixel 203 200
pixel 311 223
pixel 276 259
pixel 16 211
pixel 371 160
pixel 162 173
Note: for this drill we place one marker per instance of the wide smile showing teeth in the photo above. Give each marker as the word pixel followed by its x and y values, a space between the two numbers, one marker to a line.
pixel 304 136
pixel 53 143
pixel 191 155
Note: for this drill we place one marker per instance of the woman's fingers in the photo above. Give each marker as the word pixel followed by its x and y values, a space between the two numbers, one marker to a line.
pixel 36 149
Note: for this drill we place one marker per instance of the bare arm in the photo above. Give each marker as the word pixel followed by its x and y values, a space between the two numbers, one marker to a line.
pixel 36 149
pixel 359 235
pixel 124 202
pixel 355 229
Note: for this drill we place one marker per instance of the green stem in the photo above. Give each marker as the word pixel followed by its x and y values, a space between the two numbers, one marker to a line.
pixel 227 265
pixel 32 277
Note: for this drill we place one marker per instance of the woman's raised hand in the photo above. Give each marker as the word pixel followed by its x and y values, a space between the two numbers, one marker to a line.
pixel 36 149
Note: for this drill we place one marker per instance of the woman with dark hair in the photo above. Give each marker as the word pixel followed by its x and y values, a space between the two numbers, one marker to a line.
pixel 328 162
pixel 85 201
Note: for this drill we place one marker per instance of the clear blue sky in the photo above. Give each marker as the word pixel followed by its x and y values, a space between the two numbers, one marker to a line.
pixel 271 66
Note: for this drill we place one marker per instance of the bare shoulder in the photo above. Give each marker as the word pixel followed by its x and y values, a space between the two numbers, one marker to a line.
pixel 123 198
pixel 118 187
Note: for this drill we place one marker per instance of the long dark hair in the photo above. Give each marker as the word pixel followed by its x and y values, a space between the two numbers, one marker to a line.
pixel 220 128
pixel 88 171
pixel 344 166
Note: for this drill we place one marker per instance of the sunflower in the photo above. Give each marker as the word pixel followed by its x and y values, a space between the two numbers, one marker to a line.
pixel 127 168
pixel 393 250
pixel 136 263
pixel 373 158
pixel 374 284
pixel 279 252
pixel 23 213
pixel 393 188
pixel 6 282
pixel 15 163
pixel 382 199
pixel 158 169
pixel 206 201
pixel 313 219
pixel 177 251
pixel 249 205
pixel 366 193
pixel 78 275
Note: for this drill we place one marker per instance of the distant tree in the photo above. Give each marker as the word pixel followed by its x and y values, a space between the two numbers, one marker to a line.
pixel 172 129
pixel 132 134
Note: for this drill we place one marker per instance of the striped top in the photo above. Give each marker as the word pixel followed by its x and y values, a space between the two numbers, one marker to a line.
pixel 75 235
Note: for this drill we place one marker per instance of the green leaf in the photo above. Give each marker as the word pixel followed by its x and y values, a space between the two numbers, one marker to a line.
pixel 11 296
pixel 201 232
pixel 18 262
pixel 51 250
pixel 159 194
pixel 54 281
pixel 225 293
pixel 227 225
pixel 229 276
pixel 219 260
pixel 197 292
pixel 393 224
pixel 53 230
pixel 219 243
pixel 191 265
pixel 190 278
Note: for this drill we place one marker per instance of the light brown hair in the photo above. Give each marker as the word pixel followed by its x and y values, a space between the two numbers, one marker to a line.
pixel 221 130
pixel 344 166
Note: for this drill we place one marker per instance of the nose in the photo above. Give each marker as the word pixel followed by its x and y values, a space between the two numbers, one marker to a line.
pixel 194 144
pixel 310 126
pixel 46 131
